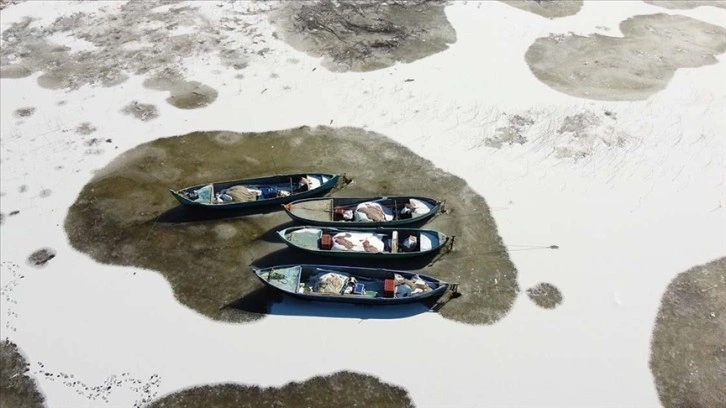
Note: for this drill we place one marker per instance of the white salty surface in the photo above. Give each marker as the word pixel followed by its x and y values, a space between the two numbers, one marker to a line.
pixel 627 220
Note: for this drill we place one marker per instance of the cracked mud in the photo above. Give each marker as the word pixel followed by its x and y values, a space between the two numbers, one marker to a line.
pixel 365 35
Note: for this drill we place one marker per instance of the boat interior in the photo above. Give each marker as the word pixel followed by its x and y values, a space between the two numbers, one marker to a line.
pixel 230 192
pixel 347 210
pixel 328 281
pixel 394 241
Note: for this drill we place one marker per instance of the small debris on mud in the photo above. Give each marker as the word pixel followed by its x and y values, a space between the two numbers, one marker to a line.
pixel 14 212
pixel 545 295
pixel 142 111
pixel 41 257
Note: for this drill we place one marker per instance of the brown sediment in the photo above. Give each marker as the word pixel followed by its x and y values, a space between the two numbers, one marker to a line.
pixel 633 67
pixel 137 40
pixel 547 8
pixel 686 4
pixel 126 216
pixel 17 388
pixel 365 35
pixel 24 112
pixel 41 257
pixel 183 94
pixel 545 295
pixel 342 389
pixel 688 348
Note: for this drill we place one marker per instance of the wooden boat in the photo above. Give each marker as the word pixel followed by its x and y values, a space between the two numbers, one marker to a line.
pixel 255 192
pixel 348 284
pixel 381 243
pixel 362 211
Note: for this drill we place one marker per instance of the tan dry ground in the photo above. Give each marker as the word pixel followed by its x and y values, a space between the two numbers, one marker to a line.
pixel 126 216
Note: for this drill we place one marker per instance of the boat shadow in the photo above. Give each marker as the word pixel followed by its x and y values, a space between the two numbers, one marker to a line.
pixel 289 256
pixel 183 214
pixel 268 301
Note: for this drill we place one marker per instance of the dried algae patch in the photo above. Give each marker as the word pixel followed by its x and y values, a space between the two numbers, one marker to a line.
pixel 126 216
pixel 365 35
pixel 548 8
pixel 342 389
pixel 17 389
pixel 633 67
pixel 688 348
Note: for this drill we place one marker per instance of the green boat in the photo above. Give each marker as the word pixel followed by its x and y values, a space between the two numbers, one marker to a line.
pixel 363 211
pixel 365 243
pixel 351 284
pixel 255 192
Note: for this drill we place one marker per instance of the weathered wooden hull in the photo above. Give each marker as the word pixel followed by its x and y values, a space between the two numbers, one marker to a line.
pixel 363 275
pixel 320 211
pixel 328 181
pixel 437 239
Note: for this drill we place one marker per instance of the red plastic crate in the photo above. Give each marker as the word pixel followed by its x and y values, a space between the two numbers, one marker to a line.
pixel 389 288
pixel 326 241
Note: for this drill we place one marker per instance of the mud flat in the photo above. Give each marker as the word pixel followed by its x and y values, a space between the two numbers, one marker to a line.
pixel 126 216
pixel 686 4
pixel 17 389
pixel 633 67
pixel 365 35
pixel 547 8
pixel 342 389
pixel 140 38
pixel 688 349
pixel 545 295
